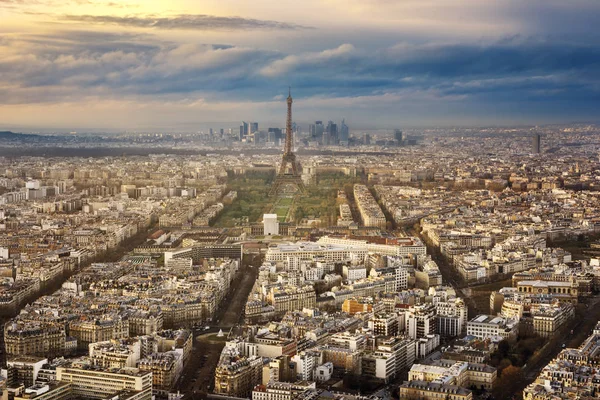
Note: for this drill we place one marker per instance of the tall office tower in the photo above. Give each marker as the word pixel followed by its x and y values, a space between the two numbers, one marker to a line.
pixel 537 143
pixel 253 127
pixel 246 126
pixel 221 132
pixel 291 176
pixel 399 136
pixel 366 138
pixel 275 134
pixel 333 132
pixel 311 130
pixel 319 129
pixel 325 138
pixel 241 135
pixel 211 133
pixel 344 132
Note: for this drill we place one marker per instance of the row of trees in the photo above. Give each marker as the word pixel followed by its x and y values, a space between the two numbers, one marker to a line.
pixel 253 197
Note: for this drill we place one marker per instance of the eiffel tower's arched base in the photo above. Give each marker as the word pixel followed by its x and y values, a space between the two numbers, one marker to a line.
pixel 284 180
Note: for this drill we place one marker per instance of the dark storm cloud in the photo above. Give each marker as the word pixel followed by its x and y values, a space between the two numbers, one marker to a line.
pixel 183 21
pixel 506 58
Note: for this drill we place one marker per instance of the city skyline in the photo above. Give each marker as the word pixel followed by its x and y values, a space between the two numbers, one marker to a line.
pixel 174 66
pixel 325 199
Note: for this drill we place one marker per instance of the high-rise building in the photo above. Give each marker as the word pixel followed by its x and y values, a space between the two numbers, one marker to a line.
pixel 253 127
pixel 398 136
pixel 537 144
pixel 366 139
pixel 244 130
pixel 275 134
pixel 344 132
pixel 332 131
pixel 319 129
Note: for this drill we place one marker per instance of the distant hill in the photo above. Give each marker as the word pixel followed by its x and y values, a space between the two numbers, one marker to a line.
pixel 8 135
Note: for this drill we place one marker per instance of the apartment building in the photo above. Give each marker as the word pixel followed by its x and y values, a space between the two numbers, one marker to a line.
pixel 115 353
pixel 98 383
pixel 99 330
pixel 310 251
pixel 422 390
pixel 292 298
pixel 421 321
pixel 548 318
pixel 283 391
pixel 236 377
pixel 370 212
pixel 45 339
pixel 486 326
pixel 165 368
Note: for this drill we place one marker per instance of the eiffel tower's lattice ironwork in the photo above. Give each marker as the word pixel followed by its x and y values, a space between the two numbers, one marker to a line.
pixel 289 171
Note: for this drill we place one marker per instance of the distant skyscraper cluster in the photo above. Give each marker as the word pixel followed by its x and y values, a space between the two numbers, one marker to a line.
pixel 318 134
pixel 213 135
pixel 329 134
pixel 249 132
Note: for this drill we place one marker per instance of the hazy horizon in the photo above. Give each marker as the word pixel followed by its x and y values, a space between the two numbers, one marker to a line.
pixel 204 127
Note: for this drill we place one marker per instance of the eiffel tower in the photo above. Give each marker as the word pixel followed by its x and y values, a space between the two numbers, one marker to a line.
pixel 289 171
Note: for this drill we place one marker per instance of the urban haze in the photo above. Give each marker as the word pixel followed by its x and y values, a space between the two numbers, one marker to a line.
pixel 314 200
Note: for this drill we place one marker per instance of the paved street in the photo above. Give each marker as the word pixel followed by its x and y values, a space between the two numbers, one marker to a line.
pixel 198 375
pixel 573 336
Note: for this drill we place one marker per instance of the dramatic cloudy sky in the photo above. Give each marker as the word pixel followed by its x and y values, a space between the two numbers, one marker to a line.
pixel 184 64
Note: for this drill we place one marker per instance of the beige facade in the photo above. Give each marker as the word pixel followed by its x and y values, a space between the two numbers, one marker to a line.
pixel 547 319
pixel 51 391
pixel 420 390
pixel 292 298
pixel 165 368
pixel 99 383
pixel 237 379
pixel 35 339
pixel 92 331
pixel 370 212
pixel 566 291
